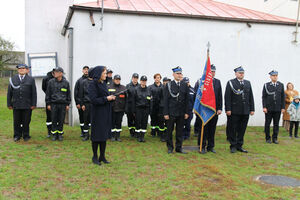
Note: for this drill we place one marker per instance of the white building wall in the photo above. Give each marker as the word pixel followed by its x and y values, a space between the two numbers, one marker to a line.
pixel 151 44
pixel 44 20
pixel 284 8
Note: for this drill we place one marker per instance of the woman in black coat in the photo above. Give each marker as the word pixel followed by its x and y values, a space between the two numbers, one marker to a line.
pixel 100 112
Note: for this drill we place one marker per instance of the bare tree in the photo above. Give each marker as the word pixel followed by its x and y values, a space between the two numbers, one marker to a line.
pixel 7 55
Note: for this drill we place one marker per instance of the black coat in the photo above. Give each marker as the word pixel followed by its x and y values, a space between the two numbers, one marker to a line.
pixel 21 95
pixel 239 104
pixel 119 104
pixel 192 96
pixel 176 106
pixel 45 81
pixel 130 95
pixel 58 92
pixel 85 97
pixel 218 92
pixel 157 96
pixel 142 98
pixel 273 98
pixel 101 108
pixel 78 90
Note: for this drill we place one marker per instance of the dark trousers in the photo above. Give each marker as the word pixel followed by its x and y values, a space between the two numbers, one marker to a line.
pixel 142 119
pixel 238 128
pixel 179 121
pixel 58 116
pixel 87 118
pixel 117 121
pixel 186 133
pixel 228 127
pixel 157 119
pixel 209 133
pixel 292 124
pixel 81 119
pixel 269 116
pixel 197 125
pixel 48 120
pixel 131 121
pixel 22 118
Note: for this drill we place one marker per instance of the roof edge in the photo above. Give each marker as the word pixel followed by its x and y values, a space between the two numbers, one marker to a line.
pixel 85 8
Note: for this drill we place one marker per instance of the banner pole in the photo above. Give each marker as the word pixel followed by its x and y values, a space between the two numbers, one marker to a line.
pixel 201 137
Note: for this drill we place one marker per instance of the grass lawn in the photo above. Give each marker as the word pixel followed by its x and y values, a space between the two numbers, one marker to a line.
pixel 42 169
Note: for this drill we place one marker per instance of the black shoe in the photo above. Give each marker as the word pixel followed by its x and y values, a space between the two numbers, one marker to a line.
pixel 242 150
pixel 86 137
pixel 103 160
pixel 170 151
pixel 212 150
pixel 180 151
pixel 142 137
pixel 275 141
pixel 202 151
pixel 118 137
pixel 16 139
pixel 162 139
pixel 27 138
pixel 268 141
pixel 53 138
pixel 132 134
pixel 60 137
pixel 49 135
pixel 153 132
pixel 296 136
pixel 96 161
pixel 233 150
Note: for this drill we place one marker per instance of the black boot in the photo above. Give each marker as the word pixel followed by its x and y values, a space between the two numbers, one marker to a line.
pixel 95 161
pixel 102 153
pixel 113 136
pixel 82 132
pixel 60 137
pixel 153 132
pixel 118 136
pixel 86 137
pixel 138 136
pixel 132 133
pixel 49 127
pixel 54 136
pixel 162 136
pixel 143 137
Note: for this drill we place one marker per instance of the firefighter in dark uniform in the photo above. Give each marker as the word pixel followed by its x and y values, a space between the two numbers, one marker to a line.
pixel 21 98
pixel 239 103
pixel 176 109
pixel 130 104
pixel 109 79
pixel 187 122
pixel 45 81
pixel 273 100
pixel 118 107
pixel 157 119
pixel 142 107
pixel 208 142
pixel 78 93
pixel 58 98
pixel 86 105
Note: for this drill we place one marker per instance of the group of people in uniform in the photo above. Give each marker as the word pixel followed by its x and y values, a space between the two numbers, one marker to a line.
pixel 169 104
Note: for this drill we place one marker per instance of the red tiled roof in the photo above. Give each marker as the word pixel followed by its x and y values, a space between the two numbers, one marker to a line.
pixel 192 8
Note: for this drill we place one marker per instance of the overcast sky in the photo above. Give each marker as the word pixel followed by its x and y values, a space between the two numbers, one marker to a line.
pixel 12 21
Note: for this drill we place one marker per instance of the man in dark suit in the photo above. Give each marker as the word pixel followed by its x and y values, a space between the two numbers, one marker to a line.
pixel 176 108
pixel 21 97
pixel 239 103
pixel 210 127
pixel 273 100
